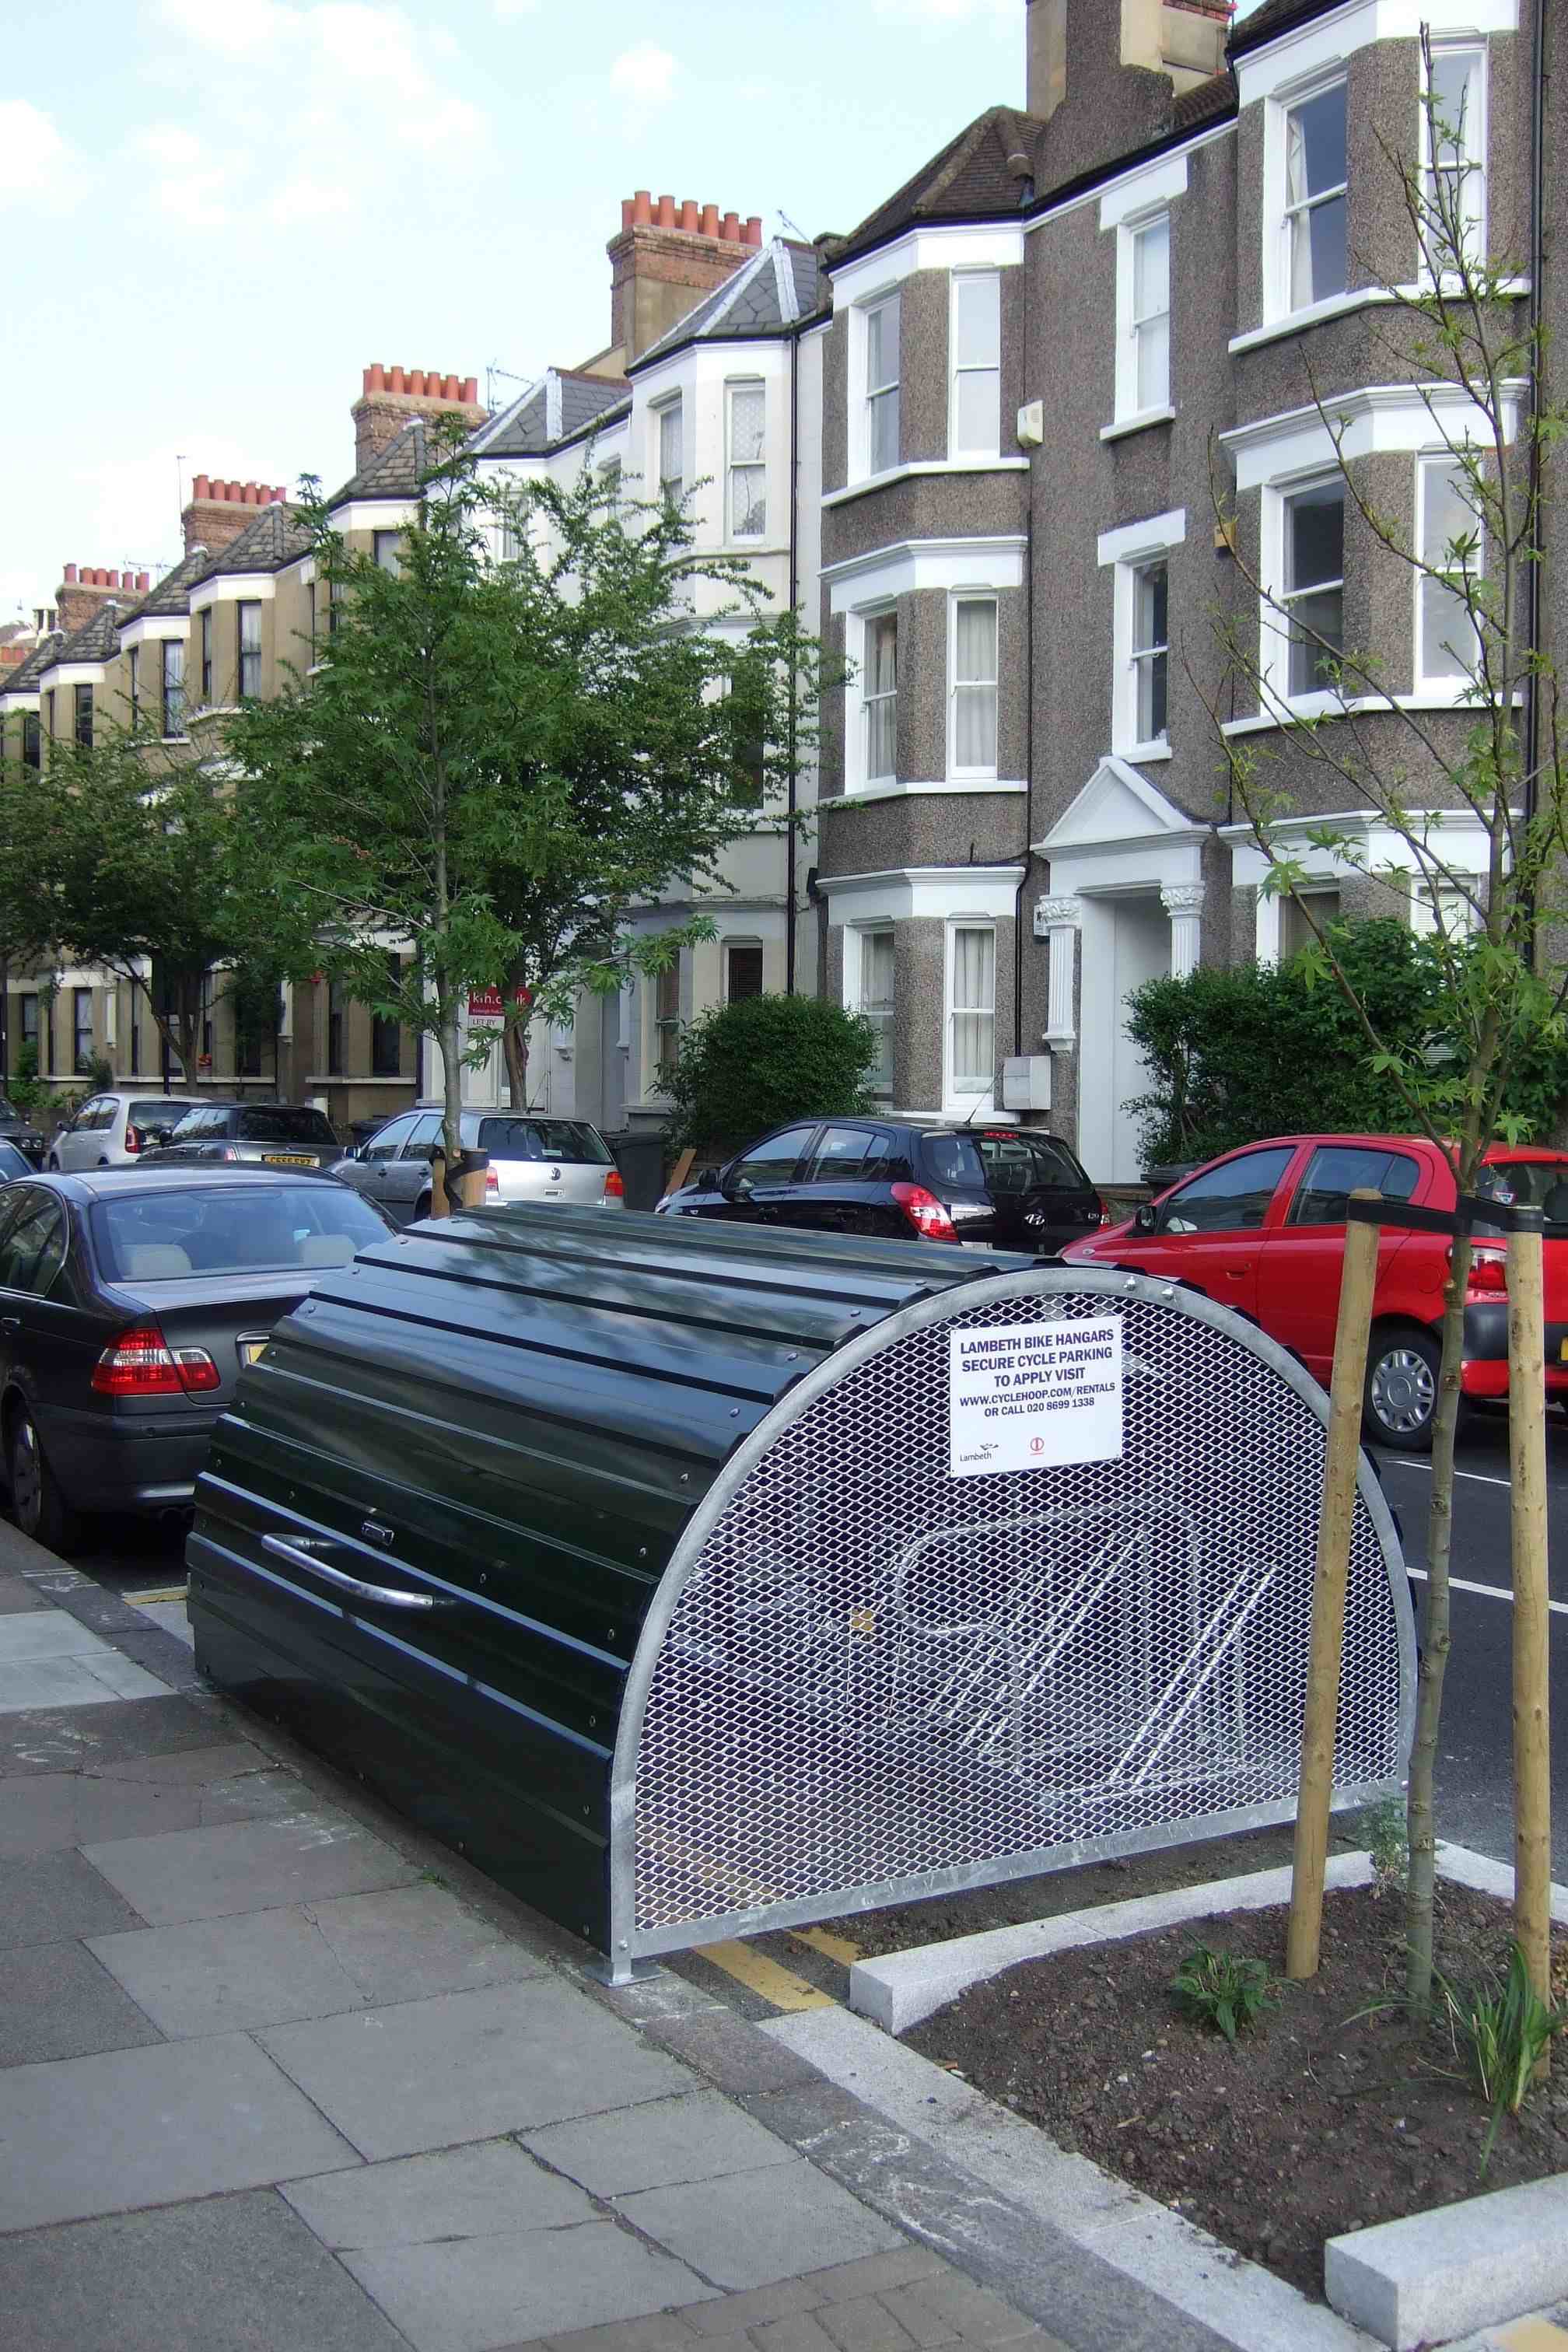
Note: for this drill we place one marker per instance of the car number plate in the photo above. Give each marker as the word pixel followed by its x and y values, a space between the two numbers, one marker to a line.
pixel 287 1159
pixel 249 1350
pixel 1562 1351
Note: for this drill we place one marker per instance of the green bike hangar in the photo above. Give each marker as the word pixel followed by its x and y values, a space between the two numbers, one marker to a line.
pixel 691 1580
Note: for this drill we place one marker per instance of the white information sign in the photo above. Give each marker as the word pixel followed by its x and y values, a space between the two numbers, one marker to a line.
pixel 1033 1396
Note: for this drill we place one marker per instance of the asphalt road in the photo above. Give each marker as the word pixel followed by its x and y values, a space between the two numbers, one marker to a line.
pixel 1475 1803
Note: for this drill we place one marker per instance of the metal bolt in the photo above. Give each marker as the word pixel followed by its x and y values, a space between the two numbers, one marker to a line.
pixel 734 1413
pixel 642 1551
pixel 686 1477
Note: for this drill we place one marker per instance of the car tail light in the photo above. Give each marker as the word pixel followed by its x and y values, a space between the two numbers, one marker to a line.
pixel 614 1188
pixel 492 1181
pixel 1105 1216
pixel 140 1363
pixel 132 1139
pixel 925 1213
pixel 1488 1271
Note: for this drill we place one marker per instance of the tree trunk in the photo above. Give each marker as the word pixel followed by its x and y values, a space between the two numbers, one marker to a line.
pixel 1421 1822
pixel 451 1040
pixel 516 1036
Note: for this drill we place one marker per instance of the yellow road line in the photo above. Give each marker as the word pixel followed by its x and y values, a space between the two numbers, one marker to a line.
pixel 759 1975
pixel 163 1592
pixel 832 1947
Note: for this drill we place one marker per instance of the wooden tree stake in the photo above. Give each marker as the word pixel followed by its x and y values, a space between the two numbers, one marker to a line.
pixel 1341 1454
pixel 1531 1620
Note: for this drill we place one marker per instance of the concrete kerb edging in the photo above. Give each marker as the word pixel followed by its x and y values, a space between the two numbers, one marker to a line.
pixel 1429 2279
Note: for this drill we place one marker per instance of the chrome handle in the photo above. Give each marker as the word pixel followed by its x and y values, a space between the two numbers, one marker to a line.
pixel 300 1552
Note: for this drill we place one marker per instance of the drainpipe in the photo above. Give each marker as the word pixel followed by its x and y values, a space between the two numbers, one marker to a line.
pixel 794 594
pixel 1537 270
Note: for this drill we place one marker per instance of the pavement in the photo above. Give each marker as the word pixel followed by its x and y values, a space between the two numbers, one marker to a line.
pixel 277 2071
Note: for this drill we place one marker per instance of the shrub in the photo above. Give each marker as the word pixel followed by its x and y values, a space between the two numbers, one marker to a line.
pixel 1270 1049
pixel 749 1067
pixel 1219 1990
pixel 26 1089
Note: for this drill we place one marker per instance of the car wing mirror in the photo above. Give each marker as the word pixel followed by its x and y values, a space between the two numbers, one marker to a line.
pixel 1147 1220
pixel 707 1180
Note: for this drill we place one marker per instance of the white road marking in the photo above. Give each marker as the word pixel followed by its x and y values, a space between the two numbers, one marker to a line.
pixel 1486 1592
pixel 1424 1469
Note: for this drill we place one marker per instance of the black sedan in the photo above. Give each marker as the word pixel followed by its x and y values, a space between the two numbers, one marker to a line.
pixel 21 1130
pixel 130 1299
pixel 992 1187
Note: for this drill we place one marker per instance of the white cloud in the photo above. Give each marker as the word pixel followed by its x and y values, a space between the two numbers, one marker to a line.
pixel 644 75
pixel 31 152
pixel 235 28
pixel 186 179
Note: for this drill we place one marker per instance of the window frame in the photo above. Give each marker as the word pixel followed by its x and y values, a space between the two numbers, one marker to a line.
pixel 386 544
pixel 1149 660
pixel 868 393
pixel 957 367
pixel 663 414
pixel 957 686
pixel 957 1091
pixel 81 1061
pixel 171 690
pixel 246 654
pixel 81 705
pixel 664 1013
pixel 881 1011
pixel 337 1027
pixel 1446 909
pixel 732 947
pixel 1278 300
pixel 133 680
pixel 1129 408
pixel 32 741
pixel 1279 662
pixel 206 620
pixel 1133 552
pixel 1475 146
pixel 735 466
pixel 873 619
pixel 1458 683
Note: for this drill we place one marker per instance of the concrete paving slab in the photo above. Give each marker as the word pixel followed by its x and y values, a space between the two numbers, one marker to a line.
pixel 416 1941
pixel 52 1809
pixel 196 1767
pixel 33 1682
pixel 470 2066
pixel 239 2273
pixel 745 2232
pixel 1460 2267
pixel 249 1866
pixel 65 1739
pixel 169 1617
pixel 226 1976
pixel 59 2004
pixel 16 1596
pixel 464 2193
pixel 484 2292
pixel 134 2127
pixel 658 2145
pixel 48 1634
pixel 50 1896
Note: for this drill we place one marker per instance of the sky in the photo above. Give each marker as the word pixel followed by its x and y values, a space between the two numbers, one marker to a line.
pixel 217 212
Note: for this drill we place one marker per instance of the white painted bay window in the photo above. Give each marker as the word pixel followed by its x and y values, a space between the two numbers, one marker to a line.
pixel 873 999
pixel 973 691
pixel 879 697
pixel 671 452
pixel 1454 154
pixel 1313 593
pixel 972 1009
pixel 747 425
pixel 1150 651
pixel 1317 182
pixel 976 331
pixel 1448 645
pixel 882 385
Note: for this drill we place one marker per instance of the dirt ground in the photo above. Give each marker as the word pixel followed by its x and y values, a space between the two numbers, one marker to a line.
pixel 1312 2125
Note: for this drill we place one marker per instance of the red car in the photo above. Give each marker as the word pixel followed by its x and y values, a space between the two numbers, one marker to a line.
pixel 1263 1231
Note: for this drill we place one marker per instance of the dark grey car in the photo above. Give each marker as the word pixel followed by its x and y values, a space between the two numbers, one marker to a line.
pixel 20 1128
pixel 277 1135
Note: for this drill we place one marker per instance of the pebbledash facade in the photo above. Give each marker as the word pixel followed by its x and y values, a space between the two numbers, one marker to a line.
pixel 1036 351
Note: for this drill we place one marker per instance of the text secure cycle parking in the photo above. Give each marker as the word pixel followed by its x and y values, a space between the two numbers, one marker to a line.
pixel 1033 1396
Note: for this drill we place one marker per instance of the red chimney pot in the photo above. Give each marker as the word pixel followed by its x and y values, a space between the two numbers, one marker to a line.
pixel 143 581
pixel 731 227
pixel 754 229
pixel 113 580
pixel 642 208
pixel 628 208
pixel 71 575
pixel 667 212
pixel 201 488
pixel 689 214
pixel 470 392
pixel 394 379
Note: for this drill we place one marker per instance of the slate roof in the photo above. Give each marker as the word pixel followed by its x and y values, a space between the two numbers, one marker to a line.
pixel 1273 17
pixel 780 284
pixel 277 537
pixel 1206 103
pixel 97 640
pixel 172 593
pixel 24 678
pixel 972 178
pixel 396 471
pixel 564 403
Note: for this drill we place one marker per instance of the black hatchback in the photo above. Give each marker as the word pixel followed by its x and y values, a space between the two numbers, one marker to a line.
pixel 989 1187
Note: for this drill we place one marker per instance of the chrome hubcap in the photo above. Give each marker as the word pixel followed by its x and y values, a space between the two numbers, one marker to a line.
pixel 1403 1390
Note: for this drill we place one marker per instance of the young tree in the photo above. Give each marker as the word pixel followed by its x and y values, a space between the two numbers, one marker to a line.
pixel 499 760
pixel 1478 355
pixel 122 856
pixel 749 1067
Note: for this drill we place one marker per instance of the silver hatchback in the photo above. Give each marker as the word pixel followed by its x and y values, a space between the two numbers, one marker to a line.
pixel 532 1159
pixel 114 1129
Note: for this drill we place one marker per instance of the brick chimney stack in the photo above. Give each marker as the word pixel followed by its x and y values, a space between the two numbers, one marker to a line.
pixel 87 588
pixel 1183 39
pixel 218 510
pixel 393 395
pixel 665 258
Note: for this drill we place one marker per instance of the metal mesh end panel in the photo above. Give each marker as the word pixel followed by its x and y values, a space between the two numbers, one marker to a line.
pixel 879 1679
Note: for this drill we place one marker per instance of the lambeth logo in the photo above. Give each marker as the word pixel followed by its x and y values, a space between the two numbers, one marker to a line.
pixel 1036 1444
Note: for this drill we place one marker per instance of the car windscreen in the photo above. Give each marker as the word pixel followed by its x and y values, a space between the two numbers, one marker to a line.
pixel 277 1123
pixel 1016 1162
pixel 1529 1184
pixel 168 1237
pixel 953 1160
pixel 543 1139
pixel 13 1163
pixel 158 1110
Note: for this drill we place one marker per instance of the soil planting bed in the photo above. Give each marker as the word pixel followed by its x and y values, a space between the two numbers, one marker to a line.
pixel 1310 2126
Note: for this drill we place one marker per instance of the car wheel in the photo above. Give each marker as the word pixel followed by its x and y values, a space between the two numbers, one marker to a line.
pixel 422 1207
pixel 1401 1395
pixel 51 1166
pixel 39 1508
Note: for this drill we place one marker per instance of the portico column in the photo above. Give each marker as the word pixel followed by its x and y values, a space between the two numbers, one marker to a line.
pixel 1062 918
pixel 1185 905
